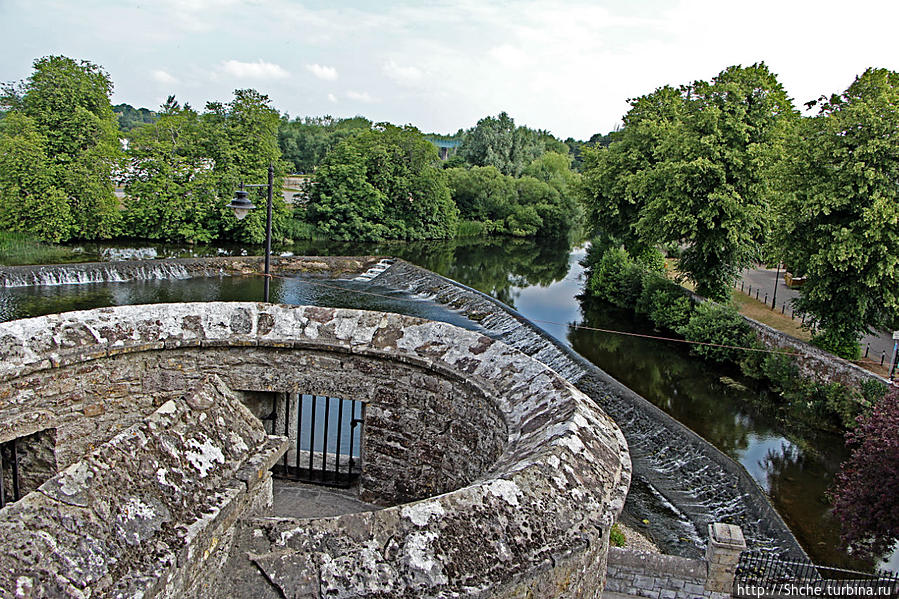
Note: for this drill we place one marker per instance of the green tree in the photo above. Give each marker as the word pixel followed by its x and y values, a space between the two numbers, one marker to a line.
pixel 305 142
pixel 496 141
pixel 241 137
pixel 614 184
pixel 482 193
pixel 839 226
pixel 29 201
pixel 171 188
pixel 382 184
pixel 71 123
pixel 695 167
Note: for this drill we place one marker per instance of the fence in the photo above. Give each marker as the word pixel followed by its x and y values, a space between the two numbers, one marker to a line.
pixel 767 575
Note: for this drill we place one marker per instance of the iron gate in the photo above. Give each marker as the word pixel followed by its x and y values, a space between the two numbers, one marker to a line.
pixel 325 438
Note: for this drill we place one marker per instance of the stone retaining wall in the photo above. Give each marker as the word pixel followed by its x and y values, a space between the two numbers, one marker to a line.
pixel 537 474
pixel 655 575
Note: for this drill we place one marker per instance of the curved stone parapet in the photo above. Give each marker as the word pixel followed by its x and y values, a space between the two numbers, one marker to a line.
pixel 538 473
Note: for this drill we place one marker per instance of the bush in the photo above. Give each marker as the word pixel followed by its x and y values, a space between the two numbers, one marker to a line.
pixel 845 346
pixel 664 302
pixel 616 279
pixel 866 491
pixel 719 325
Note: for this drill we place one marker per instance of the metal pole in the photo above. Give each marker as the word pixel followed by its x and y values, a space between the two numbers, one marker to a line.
pixel 268 230
pixel 776 281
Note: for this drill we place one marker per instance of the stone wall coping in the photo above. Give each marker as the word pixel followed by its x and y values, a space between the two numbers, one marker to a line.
pixel 549 498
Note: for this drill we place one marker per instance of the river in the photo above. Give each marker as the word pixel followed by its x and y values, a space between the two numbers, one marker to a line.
pixel 540 280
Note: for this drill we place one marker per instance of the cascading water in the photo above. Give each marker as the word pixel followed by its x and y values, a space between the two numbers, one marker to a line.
pixel 96 272
pixel 681 479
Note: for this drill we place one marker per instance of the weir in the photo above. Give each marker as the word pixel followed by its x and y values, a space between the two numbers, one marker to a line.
pixel 686 482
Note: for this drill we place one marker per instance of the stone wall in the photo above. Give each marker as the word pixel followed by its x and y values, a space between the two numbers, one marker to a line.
pixel 654 575
pixel 523 474
pixel 813 362
pixel 140 515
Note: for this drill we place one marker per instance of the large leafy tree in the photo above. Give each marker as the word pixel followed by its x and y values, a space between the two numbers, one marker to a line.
pixel 171 187
pixel 241 137
pixel 615 186
pixel 696 171
pixel 497 142
pixel 305 142
pixel 866 491
pixel 67 131
pixel 382 184
pixel 840 226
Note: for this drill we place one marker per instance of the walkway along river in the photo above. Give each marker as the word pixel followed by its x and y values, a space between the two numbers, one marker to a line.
pixel 541 281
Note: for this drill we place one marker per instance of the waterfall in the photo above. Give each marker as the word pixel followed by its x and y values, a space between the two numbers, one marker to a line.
pixel 684 476
pixel 81 274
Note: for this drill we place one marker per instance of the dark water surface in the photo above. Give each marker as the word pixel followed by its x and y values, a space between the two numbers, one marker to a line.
pixel 541 281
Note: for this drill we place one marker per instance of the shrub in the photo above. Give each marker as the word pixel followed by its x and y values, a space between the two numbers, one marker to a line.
pixel 720 325
pixel 664 302
pixel 845 346
pixel 616 279
pixel 866 491
pixel 471 228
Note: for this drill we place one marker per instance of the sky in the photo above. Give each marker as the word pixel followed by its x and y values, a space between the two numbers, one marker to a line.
pixel 565 66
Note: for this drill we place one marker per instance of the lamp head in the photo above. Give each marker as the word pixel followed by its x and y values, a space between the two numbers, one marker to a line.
pixel 241 205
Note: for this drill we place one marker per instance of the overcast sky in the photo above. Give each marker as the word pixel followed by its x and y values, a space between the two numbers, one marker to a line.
pixel 568 67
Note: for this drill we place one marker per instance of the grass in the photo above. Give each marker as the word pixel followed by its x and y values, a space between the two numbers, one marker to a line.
pixel 616 537
pixel 756 310
pixel 18 249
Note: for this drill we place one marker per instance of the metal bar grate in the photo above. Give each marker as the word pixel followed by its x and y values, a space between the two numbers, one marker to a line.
pixel 326 446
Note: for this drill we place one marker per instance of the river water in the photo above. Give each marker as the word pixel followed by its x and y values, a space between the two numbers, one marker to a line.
pixel 541 280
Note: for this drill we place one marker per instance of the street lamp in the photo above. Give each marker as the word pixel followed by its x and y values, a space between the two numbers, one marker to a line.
pixel 242 206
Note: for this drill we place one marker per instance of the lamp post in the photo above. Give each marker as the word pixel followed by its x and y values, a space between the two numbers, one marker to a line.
pixel 242 206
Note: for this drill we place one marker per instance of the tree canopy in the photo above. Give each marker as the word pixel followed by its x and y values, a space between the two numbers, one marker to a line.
pixel 497 142
pixel 839 222
pixel 693 167
pixel 59 146
pixel 866 491
pixel 382 184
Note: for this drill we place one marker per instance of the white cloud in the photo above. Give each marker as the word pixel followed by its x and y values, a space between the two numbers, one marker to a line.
pixel 332 98
pixel 322 72
pixel 360 96
pixel 163 77
pixel 402 74
pixel 254 70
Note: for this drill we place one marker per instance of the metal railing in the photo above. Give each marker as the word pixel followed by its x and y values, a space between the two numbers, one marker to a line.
pixel 767 575
pixel 326 443
pixel 9 460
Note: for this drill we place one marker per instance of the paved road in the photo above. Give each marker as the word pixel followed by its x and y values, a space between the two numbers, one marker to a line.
pixel 763 280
